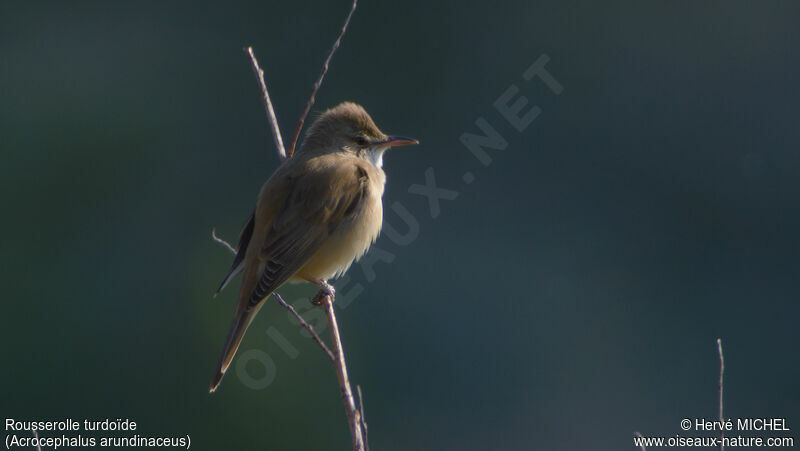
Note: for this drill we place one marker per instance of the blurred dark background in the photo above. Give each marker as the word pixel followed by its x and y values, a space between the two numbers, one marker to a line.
pixel 569 296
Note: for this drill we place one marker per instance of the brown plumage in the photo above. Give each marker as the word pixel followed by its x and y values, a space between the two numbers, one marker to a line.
pixel 317 213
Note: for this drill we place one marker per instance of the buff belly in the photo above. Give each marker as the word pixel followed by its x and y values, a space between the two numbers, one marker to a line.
pixel 347 244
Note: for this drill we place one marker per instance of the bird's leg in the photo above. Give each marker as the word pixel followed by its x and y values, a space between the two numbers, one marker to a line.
pixel 325 289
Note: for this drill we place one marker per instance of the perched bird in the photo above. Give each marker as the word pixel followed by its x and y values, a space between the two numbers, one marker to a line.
pixel 320 211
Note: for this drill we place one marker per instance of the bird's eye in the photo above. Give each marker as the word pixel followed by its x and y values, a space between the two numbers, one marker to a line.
pixel 361 141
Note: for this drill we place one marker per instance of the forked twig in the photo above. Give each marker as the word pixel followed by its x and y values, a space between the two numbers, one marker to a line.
pixel 355 417
pixel 273 119
pixel 315 88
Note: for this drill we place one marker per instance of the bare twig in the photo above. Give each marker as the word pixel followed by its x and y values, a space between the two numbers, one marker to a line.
pixel 641 437
pixel 273 120
pixel 316 86
pixel 721 416
pixel 353 415
pixel 721 373
pixel 222 242
pixel 38 442
pixel 307 326
pixel 363 418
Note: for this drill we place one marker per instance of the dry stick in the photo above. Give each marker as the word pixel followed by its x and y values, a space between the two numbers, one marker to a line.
pixel 721 417
pixel 363 417
pixel 307 326
pixel 273 120
pixel 38 442
pixel 721 373
pixel 641 437
pixel 316 86
pixel 221 241
pixel 353 415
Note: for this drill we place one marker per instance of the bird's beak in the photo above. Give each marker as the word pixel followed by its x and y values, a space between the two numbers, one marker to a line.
pixel 394 141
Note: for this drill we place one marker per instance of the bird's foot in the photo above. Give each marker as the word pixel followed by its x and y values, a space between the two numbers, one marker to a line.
pixel 325 290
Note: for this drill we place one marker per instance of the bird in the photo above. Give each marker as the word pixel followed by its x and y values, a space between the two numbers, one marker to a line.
pixel 319 212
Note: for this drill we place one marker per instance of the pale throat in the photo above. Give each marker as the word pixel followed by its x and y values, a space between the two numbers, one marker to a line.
pixel 375 155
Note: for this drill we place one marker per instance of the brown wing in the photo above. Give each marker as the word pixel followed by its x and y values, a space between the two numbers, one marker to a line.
pixel 330 189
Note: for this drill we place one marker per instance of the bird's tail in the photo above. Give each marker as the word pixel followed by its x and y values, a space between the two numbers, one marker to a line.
pixel 241 320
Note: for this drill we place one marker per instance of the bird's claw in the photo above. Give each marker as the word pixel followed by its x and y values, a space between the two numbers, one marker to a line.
pixel 325 290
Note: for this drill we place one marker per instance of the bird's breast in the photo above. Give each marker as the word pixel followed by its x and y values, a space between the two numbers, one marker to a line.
pixel 352 239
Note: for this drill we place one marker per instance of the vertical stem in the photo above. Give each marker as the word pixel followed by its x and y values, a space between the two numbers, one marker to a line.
pixel 353 415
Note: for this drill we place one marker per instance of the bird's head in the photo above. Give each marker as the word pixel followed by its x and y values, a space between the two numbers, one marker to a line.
pixel 349 128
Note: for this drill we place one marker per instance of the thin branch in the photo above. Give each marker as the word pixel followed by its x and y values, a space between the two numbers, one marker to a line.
pixel 641 437
pixel 273 119
pixel 307 326
pixel 721 373
pixel 222 242
pixel 721 416
pixel 353 414
pixel 38 442
pixel 363 418
pixel 314 89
